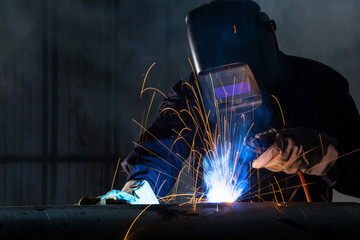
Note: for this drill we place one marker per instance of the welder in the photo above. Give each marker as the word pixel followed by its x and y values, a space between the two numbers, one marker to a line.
pixel 306 116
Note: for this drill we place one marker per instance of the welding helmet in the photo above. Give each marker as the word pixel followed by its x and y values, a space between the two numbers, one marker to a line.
pixel 228 41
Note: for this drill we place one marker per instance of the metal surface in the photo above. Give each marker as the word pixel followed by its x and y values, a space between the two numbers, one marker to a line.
pixel 207 221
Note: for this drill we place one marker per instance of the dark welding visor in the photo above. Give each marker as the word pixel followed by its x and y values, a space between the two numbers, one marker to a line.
pixel 230 89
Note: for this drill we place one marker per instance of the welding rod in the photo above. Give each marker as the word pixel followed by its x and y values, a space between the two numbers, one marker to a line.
pixel 305 187
pixel 303 183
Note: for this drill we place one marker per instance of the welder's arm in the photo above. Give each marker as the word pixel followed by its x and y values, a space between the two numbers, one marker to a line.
pixel 291 150
pixel 160 151
pixel 157 157
pixel 342 120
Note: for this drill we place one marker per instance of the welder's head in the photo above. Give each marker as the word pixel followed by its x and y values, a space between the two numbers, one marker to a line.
pixel 232 43
pixel 226 32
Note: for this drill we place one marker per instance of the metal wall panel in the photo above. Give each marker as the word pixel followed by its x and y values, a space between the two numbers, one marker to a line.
pixel 71 73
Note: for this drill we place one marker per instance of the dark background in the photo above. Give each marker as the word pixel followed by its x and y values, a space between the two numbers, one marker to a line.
pixel 71 73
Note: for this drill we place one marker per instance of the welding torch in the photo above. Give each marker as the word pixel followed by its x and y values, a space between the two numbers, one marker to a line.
pixel 258 145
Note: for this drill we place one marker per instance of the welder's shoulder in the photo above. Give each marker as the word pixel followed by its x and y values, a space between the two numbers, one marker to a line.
pixel 189 79
pixel 319 73
pixel 181 88
pixel 178 95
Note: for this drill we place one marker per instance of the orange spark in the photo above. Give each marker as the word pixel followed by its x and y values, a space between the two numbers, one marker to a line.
pixel 282 113
pixel 116 170
pixel 127 233
pixel 143 85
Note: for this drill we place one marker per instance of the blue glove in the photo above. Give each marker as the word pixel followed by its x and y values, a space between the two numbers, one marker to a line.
pixel 134 192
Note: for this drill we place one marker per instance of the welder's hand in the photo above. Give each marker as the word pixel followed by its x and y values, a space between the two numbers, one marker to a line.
pixel 109 198
pixel 88 201
pixel 291 150
pixel 134 192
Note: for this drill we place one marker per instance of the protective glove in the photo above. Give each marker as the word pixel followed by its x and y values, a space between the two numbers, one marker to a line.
pixel 134 192
pixel 291 150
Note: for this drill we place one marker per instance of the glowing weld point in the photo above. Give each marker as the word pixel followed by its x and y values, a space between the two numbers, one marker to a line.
pixel 225 173
pixel 226 192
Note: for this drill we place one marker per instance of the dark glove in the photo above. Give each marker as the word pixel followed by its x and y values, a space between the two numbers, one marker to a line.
pixel 291 150
pixel 96 201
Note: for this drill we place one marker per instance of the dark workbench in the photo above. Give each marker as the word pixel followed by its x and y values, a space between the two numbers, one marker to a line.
pixel 207 221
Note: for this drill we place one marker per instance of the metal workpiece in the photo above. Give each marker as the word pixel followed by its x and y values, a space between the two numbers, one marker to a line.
pixel 205 221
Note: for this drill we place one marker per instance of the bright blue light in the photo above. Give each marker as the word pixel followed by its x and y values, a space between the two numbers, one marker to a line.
pixel 226 169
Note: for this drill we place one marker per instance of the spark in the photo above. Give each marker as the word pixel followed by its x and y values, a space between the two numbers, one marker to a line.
pixel 282 113
pixel 299 173
pixel 224 166
pixel 225 171
pixel 150 105
pixel 344 155
pixel 323 160
pixel 116 170
pixel 157 179
pixel 293 194
pixel 272 186
pixel 143 89
pixel 132 224
pixel 282 196
pixel 221 161
pixel 161 186
pixel 147 73
pixel 155 89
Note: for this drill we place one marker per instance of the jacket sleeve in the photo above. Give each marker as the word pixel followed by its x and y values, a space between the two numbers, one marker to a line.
pixel 343 122
pixel 160 151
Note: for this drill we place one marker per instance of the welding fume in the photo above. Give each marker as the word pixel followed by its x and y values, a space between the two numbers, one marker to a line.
pixel 248 118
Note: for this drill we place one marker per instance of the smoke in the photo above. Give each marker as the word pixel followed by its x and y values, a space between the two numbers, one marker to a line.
pixel 325 31
pixel 106 46
pixel 17 43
